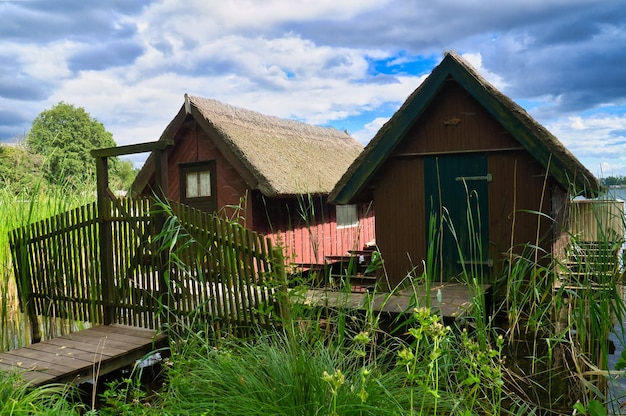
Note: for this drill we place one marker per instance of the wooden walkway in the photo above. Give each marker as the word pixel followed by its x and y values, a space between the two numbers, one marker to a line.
pixel 456 299
pixel 76 357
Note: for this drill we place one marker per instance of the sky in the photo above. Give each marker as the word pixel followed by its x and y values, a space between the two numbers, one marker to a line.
pixel 349 64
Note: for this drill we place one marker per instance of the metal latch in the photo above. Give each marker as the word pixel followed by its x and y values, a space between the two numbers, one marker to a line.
pixel 486 177
pixel 488 263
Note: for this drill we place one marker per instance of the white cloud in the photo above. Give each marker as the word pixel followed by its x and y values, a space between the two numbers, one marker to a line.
pixel 311 60
pixel 476 60
pixel 369 130
pixel 599 141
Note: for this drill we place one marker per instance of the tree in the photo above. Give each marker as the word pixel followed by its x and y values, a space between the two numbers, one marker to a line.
pixel 64 135
pixel 20 170
pixel 122 174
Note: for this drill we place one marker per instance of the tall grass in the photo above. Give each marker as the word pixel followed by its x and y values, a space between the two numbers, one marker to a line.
pixel 17 398
pixel 337 360
pixel 560 314
pixel 18 209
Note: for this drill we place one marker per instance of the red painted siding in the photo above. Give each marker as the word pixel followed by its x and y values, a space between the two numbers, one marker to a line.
pixel 306 239
pixel 309 238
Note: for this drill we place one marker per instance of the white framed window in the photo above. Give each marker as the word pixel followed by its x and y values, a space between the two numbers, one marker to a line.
pixel 198 184
pixel 347 216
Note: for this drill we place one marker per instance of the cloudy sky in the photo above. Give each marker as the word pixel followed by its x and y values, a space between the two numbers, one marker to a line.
pixel 344 63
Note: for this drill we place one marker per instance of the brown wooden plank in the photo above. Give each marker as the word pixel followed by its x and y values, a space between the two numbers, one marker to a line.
pixel 19 362
pixel 73 358
pixel 114 339
pixel 80 346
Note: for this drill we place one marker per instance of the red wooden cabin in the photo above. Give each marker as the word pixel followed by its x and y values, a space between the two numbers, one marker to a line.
pixel 271 174
pixel 460 149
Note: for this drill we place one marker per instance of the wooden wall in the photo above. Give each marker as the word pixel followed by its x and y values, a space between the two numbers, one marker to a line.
pixel 194 145
pixel 310 240
pixel 455 123
pixel 279 218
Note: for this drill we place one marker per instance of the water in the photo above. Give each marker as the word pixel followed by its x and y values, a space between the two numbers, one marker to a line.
pixel 617 388
pixel 618 193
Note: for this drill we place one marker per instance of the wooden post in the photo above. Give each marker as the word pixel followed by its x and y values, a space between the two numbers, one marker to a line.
pixel 104 214
pixel 278 269
pixel 23 279
pixel 161 187
pixel 106 239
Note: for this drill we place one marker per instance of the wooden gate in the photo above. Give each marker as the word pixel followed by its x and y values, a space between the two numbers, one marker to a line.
pixel 142 263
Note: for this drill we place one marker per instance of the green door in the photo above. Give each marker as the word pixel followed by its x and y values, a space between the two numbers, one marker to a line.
pixel 456 188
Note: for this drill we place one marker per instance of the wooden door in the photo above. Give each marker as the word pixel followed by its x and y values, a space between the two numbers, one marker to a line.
pixel 456 201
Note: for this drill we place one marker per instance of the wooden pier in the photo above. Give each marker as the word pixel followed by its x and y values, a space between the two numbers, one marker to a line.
pixel 451 300
pixel 82 356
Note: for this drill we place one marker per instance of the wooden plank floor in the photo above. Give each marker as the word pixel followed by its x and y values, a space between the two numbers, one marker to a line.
pixel 76 357
pixel 456 299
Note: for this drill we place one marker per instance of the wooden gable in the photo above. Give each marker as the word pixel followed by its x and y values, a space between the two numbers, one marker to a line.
pixel 540 143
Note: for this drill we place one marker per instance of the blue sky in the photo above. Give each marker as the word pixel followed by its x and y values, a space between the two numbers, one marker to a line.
pixel 348 64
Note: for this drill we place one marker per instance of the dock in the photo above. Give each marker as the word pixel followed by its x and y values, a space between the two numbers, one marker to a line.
pixel 451 300
pixel 82 356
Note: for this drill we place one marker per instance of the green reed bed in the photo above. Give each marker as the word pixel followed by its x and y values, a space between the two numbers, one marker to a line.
pixel 16 398
pixel 542 350
pixel 560 314
pixel 17 209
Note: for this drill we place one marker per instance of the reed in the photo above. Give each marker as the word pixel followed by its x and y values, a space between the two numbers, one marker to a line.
pixel 18 209
pixel 18 398
pixel 560 314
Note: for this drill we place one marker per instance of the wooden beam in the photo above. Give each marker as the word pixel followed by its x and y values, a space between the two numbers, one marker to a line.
pixel 106 238
pixel 132 148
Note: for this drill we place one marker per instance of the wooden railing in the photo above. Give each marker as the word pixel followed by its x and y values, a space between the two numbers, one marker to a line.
pixel 146 265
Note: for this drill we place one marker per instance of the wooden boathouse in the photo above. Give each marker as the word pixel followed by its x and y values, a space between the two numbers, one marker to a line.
pixel 462 179
pixel 273 174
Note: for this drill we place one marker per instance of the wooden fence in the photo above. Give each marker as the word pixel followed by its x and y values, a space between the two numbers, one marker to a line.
pixel 146 264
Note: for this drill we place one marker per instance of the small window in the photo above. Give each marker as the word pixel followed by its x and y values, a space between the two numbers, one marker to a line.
pixel 198 185
pixel 347 216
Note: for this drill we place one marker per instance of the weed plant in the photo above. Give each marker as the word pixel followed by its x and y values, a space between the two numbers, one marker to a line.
pixel 18 398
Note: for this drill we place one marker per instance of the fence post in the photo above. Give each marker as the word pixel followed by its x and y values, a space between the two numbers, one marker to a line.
pixel 278 268
pixel 23 278
pixel 106 239
pixel 161 189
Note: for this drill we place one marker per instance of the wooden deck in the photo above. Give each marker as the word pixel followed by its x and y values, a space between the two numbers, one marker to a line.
pixel 456 299
pixel 76 357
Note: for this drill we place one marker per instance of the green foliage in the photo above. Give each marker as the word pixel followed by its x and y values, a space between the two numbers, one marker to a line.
pixel 64 135
pixel 19 169
pixel 593 408
pixel 122 174
pixel 613 180
pixel 125 396
pixel 18 398
pixel 273 375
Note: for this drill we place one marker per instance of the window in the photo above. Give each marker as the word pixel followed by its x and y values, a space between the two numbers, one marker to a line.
pixel 347 216
pixel 198 185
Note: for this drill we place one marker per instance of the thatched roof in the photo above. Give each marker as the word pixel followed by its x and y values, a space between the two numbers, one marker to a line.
pixel 278 157
pixel 536 139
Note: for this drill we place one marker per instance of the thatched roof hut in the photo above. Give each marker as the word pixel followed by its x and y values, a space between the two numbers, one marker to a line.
pixel 272 174
pixel 278 157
